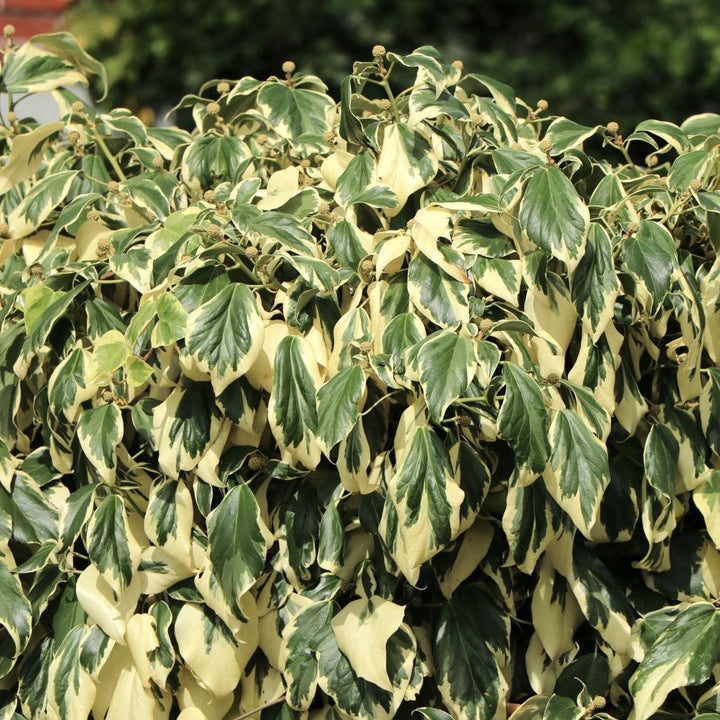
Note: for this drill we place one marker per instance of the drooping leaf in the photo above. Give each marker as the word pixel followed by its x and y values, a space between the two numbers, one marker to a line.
pixel 470 642
pixel 100 431
pixel 445 363
pixel 238 544
pixel 338 405
pixel 683 654
pixel 111 546
pixel 225 335
pixel 422 505
pixel 522 419
pixel 554 216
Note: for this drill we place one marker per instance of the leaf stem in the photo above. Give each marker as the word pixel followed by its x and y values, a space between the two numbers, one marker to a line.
pixel 250 713
pixel 110 157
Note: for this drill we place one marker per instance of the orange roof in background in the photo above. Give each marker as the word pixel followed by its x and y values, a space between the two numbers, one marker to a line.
pixel 32 17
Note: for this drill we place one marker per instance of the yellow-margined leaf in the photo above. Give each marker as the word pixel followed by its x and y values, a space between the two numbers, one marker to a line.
pixel 362 629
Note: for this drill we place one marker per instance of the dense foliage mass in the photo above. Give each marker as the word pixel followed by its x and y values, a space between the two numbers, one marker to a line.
pixel 596 61
pixel 352 410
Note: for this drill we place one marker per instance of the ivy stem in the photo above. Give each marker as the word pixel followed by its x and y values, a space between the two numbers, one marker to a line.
pixel 110 157
pixel 250 713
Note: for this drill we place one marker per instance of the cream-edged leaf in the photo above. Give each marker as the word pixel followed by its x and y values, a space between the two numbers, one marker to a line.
pixel 100 431
pixel 374 620
pixel 225 335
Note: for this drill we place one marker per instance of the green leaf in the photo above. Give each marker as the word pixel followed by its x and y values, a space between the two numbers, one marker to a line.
pixel 688 167
pixel 338 405
pixel 35 519
pixel 660 458
pixel 669 132
pixel 531 520
pixel 521 422
pixel 707 500
pixel 470 643
pixel 580 469
pixel 185 425
pixel 437 296
pixel 422 504
pixel 238 543
pixel 650 256
pixel 683 654
pixel 27 155
pixel 295 113
pixel 564 134
pixel 406 163
pixel 331 541
pixel 445 363
pixel 210 159
pixel 15 618
pixel 554 216
pixel 110 544
pixel 170 326
pixel 356 185
pixel 100 431
pixel 594 284
pixel 292 412
pixel 300 666
pixel 35 207
pixel 32 70
pixel 66 46
pixel 225 335
pixel 71 690
pixel 563 708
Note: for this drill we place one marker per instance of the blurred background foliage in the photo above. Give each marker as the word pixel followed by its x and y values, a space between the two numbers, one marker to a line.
pixel 622 60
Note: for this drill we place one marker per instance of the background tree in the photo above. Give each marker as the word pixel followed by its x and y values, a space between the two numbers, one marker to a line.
pixel 611 60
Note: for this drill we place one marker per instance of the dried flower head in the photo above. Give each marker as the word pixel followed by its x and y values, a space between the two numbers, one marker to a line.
pixel 542 105
pixel 158 162
pixel 651 160
pixel 104 249
pixel 695 184
pixel 612 127
pixel 367 268
pixel 9 31
pixel 209 196
pixel 486 325
pixel 78 106
pixel 223 87
pixel 378 51
pixel 213 108
pixel 545 146
pixel 458 64
pixel 288 67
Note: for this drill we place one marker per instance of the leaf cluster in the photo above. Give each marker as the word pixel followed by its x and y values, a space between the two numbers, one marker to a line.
pixel 354 409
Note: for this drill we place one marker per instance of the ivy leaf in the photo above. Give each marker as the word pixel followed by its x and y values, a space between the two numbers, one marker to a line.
pixel 650 256
pixel 356 185
pixel 111 546
pixel 238 543
pixel 594 283
pixel 580 469
pixel 554 216
pixel 292 412
pixel 445 363
pixel 565 134
pixel 338 406
pixel 422 505
pixel 375 620
pixel 100 431
pixel 683 654
pixel 295 113
pixel 439 297
pixel 35 207
pixel 707 500
pixel 15 618
pixel 27 154
pixel 210 159
pixel 521 422
pixel 471 638
pixel 225 335
pixel 406 163
pixel 170 326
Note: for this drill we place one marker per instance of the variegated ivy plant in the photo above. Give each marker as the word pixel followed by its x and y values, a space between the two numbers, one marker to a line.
pixel 402 404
